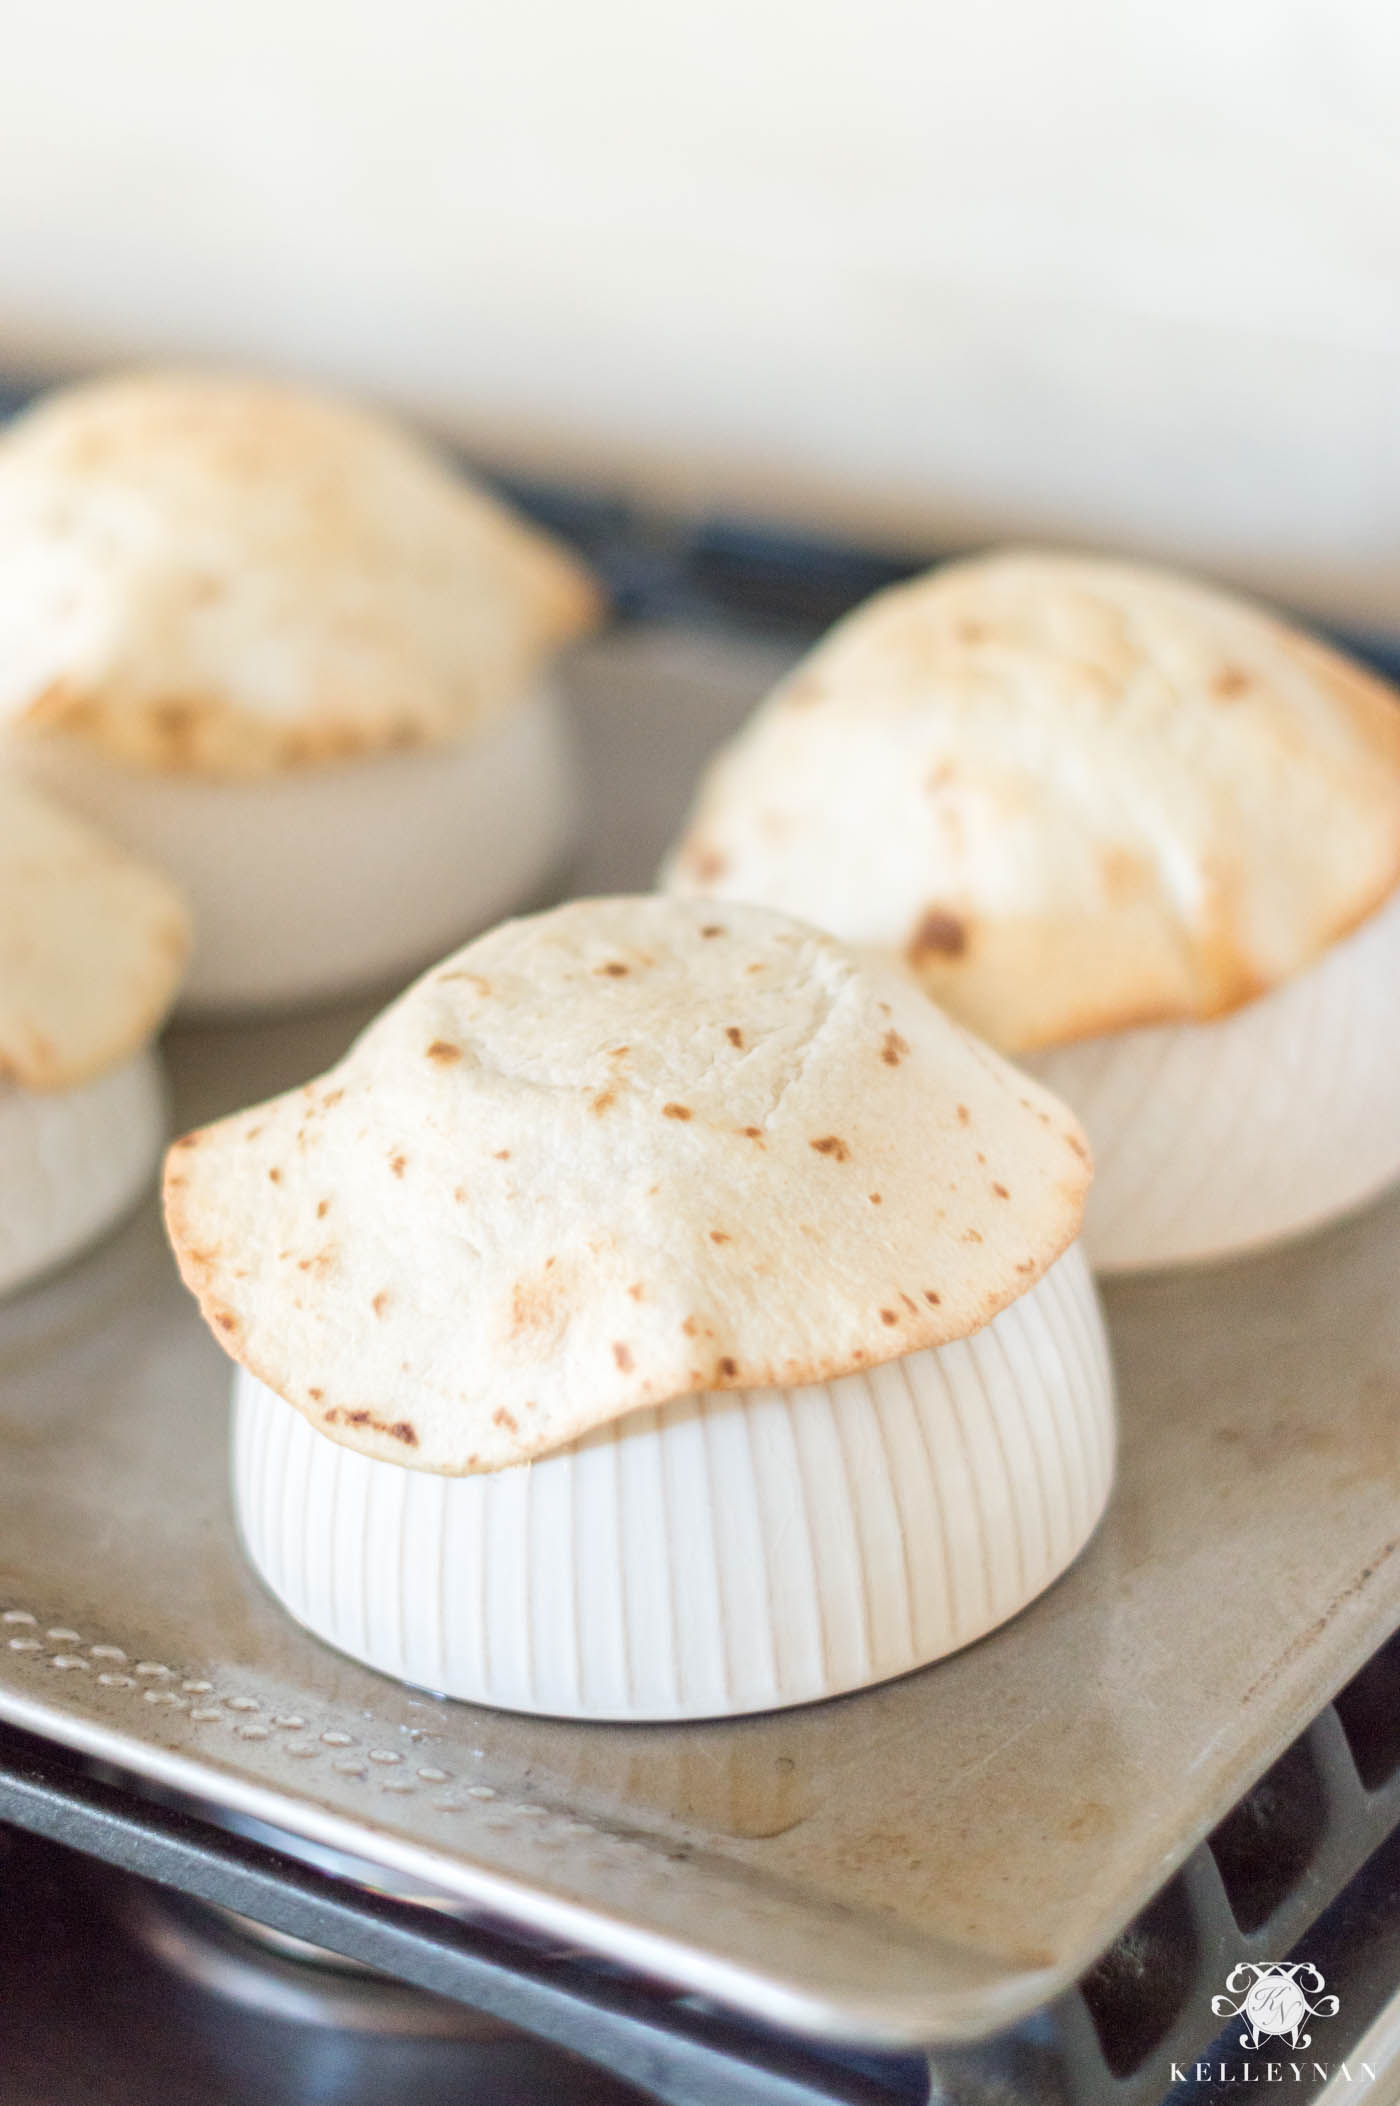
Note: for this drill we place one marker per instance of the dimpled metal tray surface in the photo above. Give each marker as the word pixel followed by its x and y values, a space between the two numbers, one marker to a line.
pixel 921 1862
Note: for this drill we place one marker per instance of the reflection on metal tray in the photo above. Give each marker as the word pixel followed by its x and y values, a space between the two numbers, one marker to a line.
pixel 138 1997
pixel 921 1862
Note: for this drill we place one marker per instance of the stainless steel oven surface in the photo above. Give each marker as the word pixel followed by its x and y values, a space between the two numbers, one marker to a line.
pixel 1046 1846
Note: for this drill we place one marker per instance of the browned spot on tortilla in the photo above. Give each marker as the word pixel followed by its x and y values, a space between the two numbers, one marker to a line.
pixel 691 1327
pixel 443 1050
pixel 734 1035
pixel 717 1235
pixel 535 1305
pixel 613 970
pixel 1073 1141
pixel 636 1290
pixel 226 1320
pixel 1230 683
pixel 876 1200
pixel 753 1133
pixel 502 1155
pixel 618 1052
pixel 316 1395
pixel 972 1235
pixel 274 1175
pixel 380 1302
pixel 479 982
pixel 933 1299
pixel 889 1316
pixel 714 928
pixel 52 702
pixel 894 1049
pixel 400 1430
pixel 705 863
pixel 188 1140
pixel 964 1115
pixel 251 1133
pixel 323 1207
pixel 1124 873
pixel 331 1098
pixel 938 935
pixel 175 721
pixel 602 1101
pixel 1026 1265
pixel 623 1356
pixel 1000 1190
pixel 459 1193
pixel 398 1164
pixel 501 1417
pixel 831 1144
pixel 677 1111
pixel 728 1368
pixel 981 1157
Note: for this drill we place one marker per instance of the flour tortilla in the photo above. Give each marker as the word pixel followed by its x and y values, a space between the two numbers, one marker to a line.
pixel 1072 796
pixel 228 577
pixel 92 946
pixel 614 1154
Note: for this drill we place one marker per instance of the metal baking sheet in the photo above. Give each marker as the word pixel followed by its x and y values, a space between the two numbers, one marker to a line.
pixel 917 1863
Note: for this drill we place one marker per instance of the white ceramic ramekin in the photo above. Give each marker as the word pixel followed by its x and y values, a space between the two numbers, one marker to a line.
pixel 731 1552
pixel 1218 1137
pixel 73 1161
pixel 337 878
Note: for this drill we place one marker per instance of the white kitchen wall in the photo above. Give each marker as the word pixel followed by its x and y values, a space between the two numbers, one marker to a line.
pixel 1121 269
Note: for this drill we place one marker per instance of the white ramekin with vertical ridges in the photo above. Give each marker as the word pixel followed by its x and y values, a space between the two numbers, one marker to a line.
pixel 328 879
pixel 73 1161
pixel 731 1552
pixel 1223 1136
